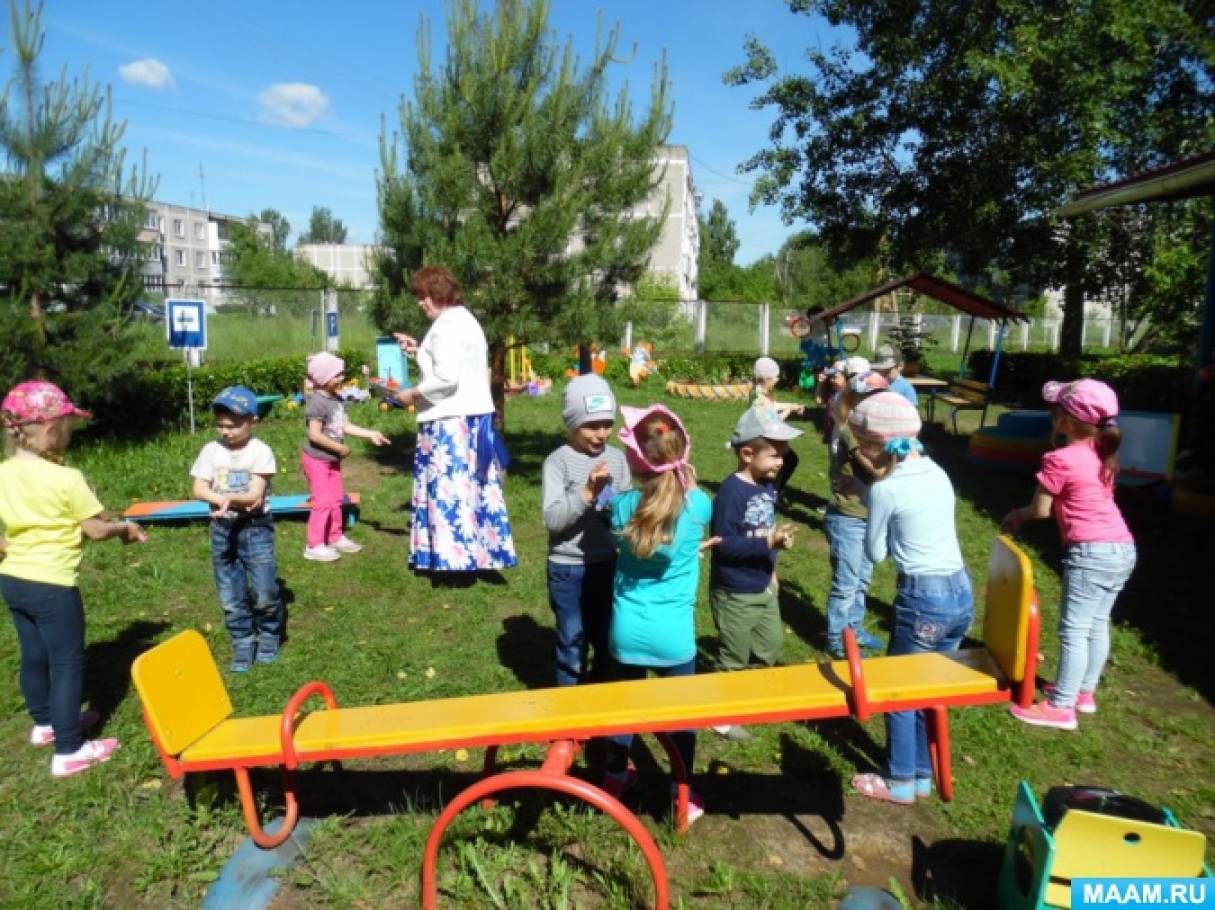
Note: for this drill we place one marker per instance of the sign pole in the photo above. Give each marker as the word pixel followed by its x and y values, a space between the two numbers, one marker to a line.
pixel 190 386
pixel 186 328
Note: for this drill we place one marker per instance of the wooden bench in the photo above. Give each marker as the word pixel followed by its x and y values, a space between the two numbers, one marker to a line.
pixel 193 509
pixel 189 715
pixel 961 395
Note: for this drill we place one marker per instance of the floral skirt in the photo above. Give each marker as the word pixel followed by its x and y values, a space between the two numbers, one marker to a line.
pixel 459 522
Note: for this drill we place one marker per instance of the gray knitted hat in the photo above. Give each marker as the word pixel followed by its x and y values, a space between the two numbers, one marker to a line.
pixel 587 398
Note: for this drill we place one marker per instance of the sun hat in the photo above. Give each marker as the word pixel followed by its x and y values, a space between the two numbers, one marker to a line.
pixel 836 366
pixel 37 401
pixel 638 463
pixel 587 398
pixel 236 399
pixel 887 358
pixel 762 423
pixel 883 417
pixel 854 366
pixel 766 368
pixel 1088 400
pixel 867 383
pixel 324 366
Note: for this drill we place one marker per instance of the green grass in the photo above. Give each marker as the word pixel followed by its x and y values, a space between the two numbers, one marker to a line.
pixel 126 836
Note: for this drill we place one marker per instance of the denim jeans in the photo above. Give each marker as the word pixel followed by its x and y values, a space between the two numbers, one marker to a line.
pixel 618 746
pixel 50 630
pixel 931 613
pixel 242 557
pixel 1093 576
pixel 850 574
pixel 581 598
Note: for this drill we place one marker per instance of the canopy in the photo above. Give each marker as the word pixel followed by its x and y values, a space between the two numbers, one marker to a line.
pixel 1183 179
pixel 938 289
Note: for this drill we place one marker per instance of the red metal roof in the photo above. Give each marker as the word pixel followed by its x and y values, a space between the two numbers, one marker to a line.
pixel 938 289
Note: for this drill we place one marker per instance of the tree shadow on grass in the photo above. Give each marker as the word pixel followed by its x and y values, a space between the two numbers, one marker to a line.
pixel 526 648
pixel 108 664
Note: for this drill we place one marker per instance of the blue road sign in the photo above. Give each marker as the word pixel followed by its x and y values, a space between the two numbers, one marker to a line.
pixel 331 324
pixel 186 323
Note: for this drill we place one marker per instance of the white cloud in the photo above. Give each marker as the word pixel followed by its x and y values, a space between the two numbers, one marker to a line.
pixel 148 72
pixel 292 103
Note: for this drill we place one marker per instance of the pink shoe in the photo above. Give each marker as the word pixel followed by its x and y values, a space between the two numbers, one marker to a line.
pixel 1086 702
pixel 1044 714
pixel 93 752
pixel 696 805
pixel 44 736
pixel 616 785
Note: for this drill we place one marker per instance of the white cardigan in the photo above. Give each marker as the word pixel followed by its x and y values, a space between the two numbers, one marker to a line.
pixel 454 360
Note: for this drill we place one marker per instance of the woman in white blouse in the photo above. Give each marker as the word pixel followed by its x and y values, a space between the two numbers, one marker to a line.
pixel 459 512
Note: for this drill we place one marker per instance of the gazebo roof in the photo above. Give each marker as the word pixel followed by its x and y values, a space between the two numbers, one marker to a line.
pixel 1194 176
pixel 938 289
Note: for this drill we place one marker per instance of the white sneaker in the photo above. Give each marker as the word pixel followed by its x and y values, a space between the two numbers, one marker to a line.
pixel 321 553
pixel 345 545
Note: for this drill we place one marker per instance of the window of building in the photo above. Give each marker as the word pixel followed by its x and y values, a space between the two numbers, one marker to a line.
pixel 179 257
pixel 215 257
pixel 153 221
pixel 200 232
pixel 200 259
pixel 154 253
pixel 179 227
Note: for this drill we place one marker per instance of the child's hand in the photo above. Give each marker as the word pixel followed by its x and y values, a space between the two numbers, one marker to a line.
pixel 1012 521
pixel 379 439
pixel 343 451
pixel 847 485
pixel 595 482
pixel 407 343
pixel 781 537
pixel 133 533
pixel 706 545
pixel 221 508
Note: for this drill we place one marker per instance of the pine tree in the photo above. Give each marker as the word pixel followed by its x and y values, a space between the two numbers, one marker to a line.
pixel 69 224
pixel 521 175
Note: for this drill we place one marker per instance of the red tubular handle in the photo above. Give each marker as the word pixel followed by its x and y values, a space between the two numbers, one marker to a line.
pixel 287 724
pixel 860 695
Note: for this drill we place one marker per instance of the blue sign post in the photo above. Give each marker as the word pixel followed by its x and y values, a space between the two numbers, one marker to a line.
pixel 186 328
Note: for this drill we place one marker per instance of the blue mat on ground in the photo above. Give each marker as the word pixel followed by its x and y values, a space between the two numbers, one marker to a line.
pixel 245 882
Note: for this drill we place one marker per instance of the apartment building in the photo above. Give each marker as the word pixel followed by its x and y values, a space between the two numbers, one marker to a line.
pixel 678 250
pixel 348 264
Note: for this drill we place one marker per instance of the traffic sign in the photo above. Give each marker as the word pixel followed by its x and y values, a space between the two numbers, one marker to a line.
pixel 186 323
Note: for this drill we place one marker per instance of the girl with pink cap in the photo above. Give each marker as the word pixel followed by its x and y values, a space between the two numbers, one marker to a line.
pixel 48 510
pixel 1076 481
pixel 321 458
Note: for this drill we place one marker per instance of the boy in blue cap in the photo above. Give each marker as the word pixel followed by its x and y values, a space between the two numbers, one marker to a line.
pixel 233 474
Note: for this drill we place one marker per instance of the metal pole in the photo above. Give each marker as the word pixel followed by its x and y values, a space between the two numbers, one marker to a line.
pixel 190 386
pixel 701 325
pixel 331 320
pixel 763 329
pixel 966 348
pixel 955 331
pixel 995 360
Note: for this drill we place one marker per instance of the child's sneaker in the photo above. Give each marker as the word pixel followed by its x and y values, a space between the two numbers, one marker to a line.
pixel 345 545
pixel 696 805
pixel 735 733
pixel 1086 702
pixel 242 656
pixel 321 554
pixel 93 752
pixel 616 784
pixel 267 649
pixel 1044 714
pixel 44 736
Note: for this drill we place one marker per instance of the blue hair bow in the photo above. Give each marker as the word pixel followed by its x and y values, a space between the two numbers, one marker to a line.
pixel 903 446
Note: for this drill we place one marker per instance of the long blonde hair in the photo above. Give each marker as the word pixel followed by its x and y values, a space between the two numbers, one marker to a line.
pixel 662 495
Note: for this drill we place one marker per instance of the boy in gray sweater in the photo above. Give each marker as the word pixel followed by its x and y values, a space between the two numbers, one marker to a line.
pixel 580 479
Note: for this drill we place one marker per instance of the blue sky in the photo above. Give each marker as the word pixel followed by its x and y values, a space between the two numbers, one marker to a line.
pixel 281 104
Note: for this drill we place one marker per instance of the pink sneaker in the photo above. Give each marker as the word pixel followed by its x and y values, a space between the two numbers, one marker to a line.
pixel 44 736
pixel 1044 714
pixel 1086 702
pixel 93 752
pixel 616 785
pixel 696 805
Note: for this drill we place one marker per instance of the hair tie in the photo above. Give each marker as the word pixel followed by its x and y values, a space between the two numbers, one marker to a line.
pixel 660 428
pixel 903 446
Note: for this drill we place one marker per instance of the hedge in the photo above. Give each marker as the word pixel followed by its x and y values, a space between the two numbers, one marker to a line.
pixel 714 367
pixel 153 399
pixel 1144 382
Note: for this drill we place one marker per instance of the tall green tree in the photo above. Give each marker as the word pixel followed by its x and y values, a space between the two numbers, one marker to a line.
pixel 519 171
pixel 718 235
pixel 280 227
pixel 267 275
pixel 962 128
pixel 323 227
pixel 807 277
pixel 70 217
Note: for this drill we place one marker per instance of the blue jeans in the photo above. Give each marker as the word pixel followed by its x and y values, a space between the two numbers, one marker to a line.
pixel 931 613
pixel 242 557
pixel 50 630
pixel 1093 576
pixel 618 746
pixel 850 574
pixel 581 598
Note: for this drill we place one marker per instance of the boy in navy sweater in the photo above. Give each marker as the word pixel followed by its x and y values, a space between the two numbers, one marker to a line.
pixel 742 586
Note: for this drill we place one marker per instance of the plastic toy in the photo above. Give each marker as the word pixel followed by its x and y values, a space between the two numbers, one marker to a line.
pixel 707 391
pixel 193 509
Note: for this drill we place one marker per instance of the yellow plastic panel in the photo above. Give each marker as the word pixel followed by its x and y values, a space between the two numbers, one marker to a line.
pixel 914 677
pixel 181 690
pixel 1010 590
pixel 1088 845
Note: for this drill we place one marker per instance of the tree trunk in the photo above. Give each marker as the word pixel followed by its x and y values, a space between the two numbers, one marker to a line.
pixel 1071 332
pixel 497 383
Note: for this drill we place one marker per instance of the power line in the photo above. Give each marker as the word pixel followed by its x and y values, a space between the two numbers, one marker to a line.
pixel 242 120
pixel 719 173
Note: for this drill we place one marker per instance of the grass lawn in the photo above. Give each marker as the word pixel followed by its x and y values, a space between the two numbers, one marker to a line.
pixel 782 828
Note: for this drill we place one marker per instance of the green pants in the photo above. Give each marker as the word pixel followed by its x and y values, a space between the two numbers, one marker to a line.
pixel 748 626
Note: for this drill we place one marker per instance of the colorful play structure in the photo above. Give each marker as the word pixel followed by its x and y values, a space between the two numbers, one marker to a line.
pixel 710 391
pixel 195 509
pixel 1087 832
pixel 189 715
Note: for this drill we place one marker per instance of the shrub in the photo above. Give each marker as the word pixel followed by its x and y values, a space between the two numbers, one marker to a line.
pixel 686 366
pixel 1144 382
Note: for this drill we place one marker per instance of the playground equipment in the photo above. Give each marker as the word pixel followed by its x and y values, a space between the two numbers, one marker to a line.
pixel 710 391
pixel 188 714
pixel 193 509
pixel 817 350
pixel 392 373
pixel 1085 832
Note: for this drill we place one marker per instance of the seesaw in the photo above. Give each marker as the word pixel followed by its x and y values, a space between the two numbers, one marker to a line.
pixel 189 715
pixel 193 509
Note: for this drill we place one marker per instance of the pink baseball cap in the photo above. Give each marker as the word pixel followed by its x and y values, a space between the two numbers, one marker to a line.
pixel 1089 400
pixel 638 463
pixel 37 401
pixel 324 366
